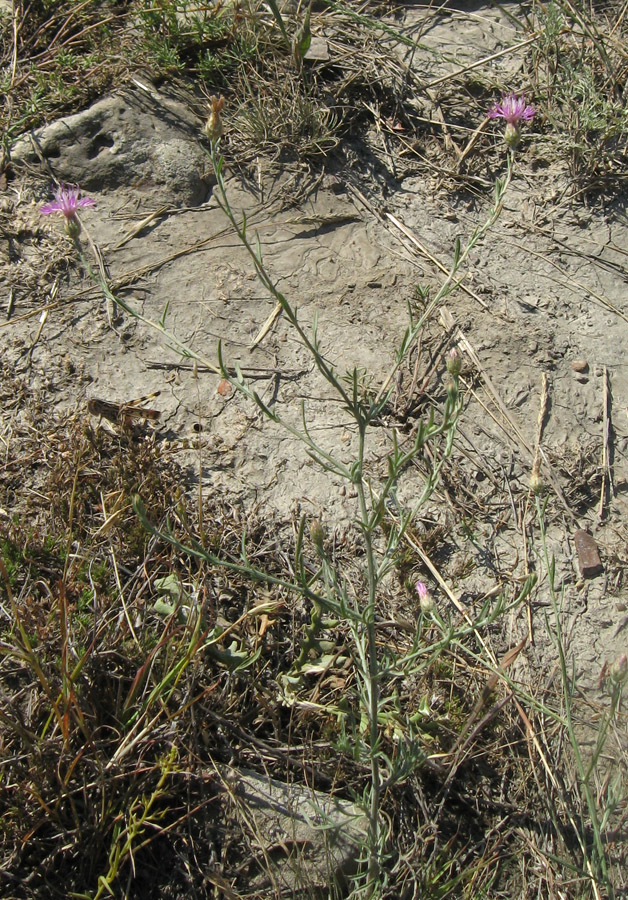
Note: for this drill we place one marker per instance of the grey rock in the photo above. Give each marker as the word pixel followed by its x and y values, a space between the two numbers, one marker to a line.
pixel 304 840
pixel 138 138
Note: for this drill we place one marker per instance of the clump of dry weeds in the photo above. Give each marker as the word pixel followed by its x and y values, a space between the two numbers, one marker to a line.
pixel 117 708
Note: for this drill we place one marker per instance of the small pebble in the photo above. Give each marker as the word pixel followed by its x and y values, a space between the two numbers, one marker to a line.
pixel 580 365
pixel 588 554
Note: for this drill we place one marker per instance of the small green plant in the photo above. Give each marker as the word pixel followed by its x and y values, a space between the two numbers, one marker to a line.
pixel 581 71
pixel 354 603
pixel 12 559
pixel 144 814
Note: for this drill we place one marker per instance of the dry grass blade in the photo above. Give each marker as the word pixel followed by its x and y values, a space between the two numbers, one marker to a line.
pixel 607 475
pixel 425 252
pixel 515 433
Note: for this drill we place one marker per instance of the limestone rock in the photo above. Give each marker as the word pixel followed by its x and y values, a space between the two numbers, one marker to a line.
pixel 308 839
pixel 138 138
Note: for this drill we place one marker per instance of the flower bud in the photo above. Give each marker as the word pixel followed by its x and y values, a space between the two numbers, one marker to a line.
pixel 425 599
pixel 317 533
pixel 452 389
pixel 618 670
pixel 454 362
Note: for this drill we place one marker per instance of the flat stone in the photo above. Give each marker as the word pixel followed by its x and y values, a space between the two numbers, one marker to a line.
pixel 318 50
pixel 140 138
pixel 588 554
pixel 308 839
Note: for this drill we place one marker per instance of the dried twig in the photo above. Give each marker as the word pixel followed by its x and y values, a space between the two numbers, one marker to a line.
pixel 140 226
pixel 607 475
pixel 483 61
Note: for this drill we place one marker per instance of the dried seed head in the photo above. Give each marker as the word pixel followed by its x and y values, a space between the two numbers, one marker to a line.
pixel 214 125
pixel 536 482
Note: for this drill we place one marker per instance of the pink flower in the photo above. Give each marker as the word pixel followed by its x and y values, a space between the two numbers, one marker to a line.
pixel 67 201
pixel 513 109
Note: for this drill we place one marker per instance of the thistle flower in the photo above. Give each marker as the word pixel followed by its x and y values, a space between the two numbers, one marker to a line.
pixel 67 201
pixel 213 127
pixel 514 111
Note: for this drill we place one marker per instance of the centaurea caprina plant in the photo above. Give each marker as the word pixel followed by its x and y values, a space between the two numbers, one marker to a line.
pixel 382 522
pixel 67 200
pixel 514 111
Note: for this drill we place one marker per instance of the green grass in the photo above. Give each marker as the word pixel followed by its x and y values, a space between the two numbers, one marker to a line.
pixel 579 68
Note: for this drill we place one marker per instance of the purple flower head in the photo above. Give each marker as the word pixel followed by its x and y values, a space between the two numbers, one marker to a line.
pixel 513 109
pixel 67 201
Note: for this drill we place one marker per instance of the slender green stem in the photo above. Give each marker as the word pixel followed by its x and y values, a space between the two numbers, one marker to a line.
pixel 372 673
pixel 265 278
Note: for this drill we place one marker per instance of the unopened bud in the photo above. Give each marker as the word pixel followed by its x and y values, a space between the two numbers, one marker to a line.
pixel 454 362
pixel 452 389
pixel 425 598
pixel 618 670
pixel 317 533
